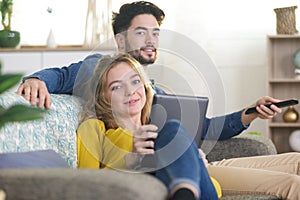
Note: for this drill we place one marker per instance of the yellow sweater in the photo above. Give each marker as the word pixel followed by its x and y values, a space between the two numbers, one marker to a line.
pixel 101 148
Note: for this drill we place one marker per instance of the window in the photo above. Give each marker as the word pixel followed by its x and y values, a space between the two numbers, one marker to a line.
pixel 67 20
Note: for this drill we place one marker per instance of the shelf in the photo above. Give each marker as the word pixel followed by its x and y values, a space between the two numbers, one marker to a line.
pixel 282 36
pixel 58 48
pixel 282 83
pixel 284 125
pixel 284 80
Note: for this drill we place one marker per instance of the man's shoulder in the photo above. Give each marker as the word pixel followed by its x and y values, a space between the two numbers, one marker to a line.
pixel 90 62
pixel 94 56
pixel 159 90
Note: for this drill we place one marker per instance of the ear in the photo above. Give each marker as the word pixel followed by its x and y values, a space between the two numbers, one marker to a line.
pixel 120 39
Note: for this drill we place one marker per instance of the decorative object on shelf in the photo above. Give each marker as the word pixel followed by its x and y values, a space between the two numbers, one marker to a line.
pixel 51 43
pixel 8 37
pixel 296 62
pixel 290 115
pixel 286 20
pixel 294 140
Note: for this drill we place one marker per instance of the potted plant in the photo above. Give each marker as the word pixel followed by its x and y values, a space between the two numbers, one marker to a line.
pixel 8 37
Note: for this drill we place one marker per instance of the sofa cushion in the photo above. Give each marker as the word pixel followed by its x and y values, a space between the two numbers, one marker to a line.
pixel 57 131
pixel 78 184
pixel 32 159
pixel 243 145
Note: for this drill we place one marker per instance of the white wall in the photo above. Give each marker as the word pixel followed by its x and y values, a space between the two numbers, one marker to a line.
pixel 233 33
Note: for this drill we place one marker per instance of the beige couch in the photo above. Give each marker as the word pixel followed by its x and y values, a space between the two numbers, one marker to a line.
pixel 57 132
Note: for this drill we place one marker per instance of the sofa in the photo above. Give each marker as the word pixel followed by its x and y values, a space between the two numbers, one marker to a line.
pixel 57 131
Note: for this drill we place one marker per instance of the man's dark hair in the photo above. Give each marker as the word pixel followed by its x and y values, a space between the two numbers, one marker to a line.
pixel 122 20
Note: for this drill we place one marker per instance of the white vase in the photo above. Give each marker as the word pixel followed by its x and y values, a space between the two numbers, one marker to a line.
pixel 51 40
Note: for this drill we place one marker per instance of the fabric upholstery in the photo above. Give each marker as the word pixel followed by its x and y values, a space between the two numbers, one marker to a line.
pixel 57 131
pixel 244 145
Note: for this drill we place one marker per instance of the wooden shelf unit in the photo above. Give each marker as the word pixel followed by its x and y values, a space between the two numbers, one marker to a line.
pixel 282 84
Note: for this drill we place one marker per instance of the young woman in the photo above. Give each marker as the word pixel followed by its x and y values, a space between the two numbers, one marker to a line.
pixel 114 132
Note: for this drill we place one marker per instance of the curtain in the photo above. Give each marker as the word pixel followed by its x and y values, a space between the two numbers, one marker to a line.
pixel 98 22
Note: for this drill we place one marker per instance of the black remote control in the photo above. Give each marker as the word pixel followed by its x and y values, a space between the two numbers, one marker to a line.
pixel 280 104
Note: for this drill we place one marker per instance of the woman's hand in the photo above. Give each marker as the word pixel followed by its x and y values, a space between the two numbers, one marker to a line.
pixel 143 139
pixel 143 143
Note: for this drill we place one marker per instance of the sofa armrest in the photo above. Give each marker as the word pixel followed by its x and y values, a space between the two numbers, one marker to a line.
pixel 57 131
pixel 244 145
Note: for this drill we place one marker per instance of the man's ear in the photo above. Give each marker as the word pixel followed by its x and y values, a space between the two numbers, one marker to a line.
pixel 120 39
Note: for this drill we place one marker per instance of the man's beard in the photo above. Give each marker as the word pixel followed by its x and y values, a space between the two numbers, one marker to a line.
pixel 136 53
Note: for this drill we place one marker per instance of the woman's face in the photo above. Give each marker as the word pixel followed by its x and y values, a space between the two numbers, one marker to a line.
pixel 125 90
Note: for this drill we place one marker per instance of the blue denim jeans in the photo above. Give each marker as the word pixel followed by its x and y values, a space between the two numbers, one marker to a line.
pixel 178 160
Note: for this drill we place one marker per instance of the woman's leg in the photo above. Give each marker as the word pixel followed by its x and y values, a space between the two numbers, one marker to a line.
pixel 287 162
pixel 239 180
pixel 179 161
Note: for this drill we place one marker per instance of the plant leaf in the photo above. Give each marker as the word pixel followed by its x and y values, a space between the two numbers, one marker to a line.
pixel 254 133
pixel 18 113
pixel 8 80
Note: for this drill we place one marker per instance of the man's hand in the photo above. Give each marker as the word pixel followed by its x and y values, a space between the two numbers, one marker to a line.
pixel 34 88
pixel 263 112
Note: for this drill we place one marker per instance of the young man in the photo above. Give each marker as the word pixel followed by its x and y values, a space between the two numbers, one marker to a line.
pixel 136 29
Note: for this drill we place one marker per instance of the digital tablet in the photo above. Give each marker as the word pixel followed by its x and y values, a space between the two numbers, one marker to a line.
pixel 190 110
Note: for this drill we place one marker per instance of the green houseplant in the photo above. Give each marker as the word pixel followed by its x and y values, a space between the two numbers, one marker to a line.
pixel 16 112
pixel 8 37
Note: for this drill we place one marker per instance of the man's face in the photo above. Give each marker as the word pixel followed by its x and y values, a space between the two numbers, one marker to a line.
pixel 142 37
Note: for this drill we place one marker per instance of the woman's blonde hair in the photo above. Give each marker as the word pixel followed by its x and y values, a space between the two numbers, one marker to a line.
pixel 97 106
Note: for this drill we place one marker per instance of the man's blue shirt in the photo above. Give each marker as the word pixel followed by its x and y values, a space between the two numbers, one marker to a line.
pixel 65 80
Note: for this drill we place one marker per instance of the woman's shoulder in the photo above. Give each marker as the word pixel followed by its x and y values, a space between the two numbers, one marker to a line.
pixel 92 124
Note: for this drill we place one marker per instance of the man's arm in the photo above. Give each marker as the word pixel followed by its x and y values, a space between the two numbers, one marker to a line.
pixel 228 126
pixel 223 127
pixel 56 80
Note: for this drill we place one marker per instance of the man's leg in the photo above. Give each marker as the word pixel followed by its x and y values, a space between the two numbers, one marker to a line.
pixel 239 180
pixel 287 162
pixel 260 174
